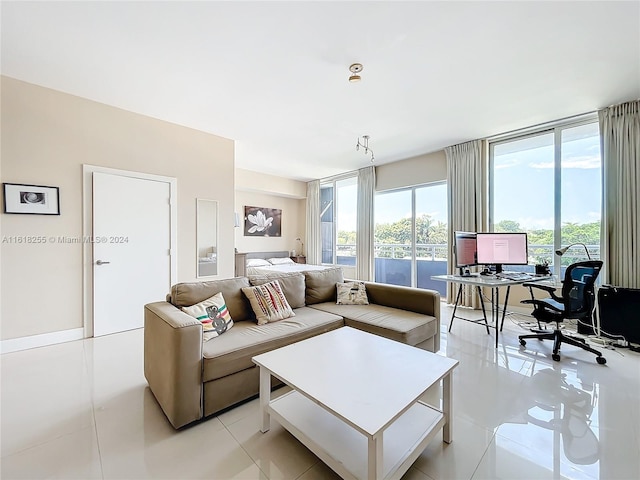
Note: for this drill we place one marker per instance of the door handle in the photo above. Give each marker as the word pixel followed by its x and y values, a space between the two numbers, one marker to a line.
pixel 100 262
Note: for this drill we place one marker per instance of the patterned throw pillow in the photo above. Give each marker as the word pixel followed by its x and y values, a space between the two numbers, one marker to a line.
pixel 268 302
pixel 352 293
pixel 213 314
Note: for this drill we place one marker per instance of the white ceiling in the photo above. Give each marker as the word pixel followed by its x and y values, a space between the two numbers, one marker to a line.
pixel 273 75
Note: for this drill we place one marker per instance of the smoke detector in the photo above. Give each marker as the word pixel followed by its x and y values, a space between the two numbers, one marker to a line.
pixel 355 69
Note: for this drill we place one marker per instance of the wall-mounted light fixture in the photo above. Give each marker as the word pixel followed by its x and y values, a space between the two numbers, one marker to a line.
pixel 365 144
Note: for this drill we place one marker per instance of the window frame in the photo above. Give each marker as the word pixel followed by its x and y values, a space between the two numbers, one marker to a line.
pixel 332 182
pixel 556 128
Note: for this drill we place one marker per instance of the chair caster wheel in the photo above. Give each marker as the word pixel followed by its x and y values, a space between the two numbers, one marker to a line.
pixel 555 357
pixel 601 360
pixel 522 342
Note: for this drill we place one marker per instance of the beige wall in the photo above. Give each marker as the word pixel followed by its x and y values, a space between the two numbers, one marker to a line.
pixel 293 222
pixel 46 138
pixel 250 181
pixel 255 189
pixel 428 168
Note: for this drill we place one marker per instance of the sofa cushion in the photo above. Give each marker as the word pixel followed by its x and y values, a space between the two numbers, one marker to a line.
pixel 232 352
pixel 351 293
pixel 189 293
pixel 292 285
pixel 401 325
pixel 213 314
pixel 268 302
pixel 321 285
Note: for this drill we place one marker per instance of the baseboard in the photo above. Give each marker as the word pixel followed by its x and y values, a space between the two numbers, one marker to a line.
pixel 41 340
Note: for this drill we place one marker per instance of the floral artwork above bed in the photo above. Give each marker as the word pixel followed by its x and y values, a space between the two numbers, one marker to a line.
pixel 262 222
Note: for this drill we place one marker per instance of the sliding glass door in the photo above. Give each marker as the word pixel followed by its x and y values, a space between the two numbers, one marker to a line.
pixel 338 221
pixel 411 236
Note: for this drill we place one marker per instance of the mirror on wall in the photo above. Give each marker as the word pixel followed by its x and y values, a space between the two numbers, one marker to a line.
pixel 206 237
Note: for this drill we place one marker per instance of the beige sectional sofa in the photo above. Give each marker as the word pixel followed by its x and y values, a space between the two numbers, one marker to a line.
pixel 192 379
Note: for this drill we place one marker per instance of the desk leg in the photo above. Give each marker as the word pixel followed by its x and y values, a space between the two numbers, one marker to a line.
pixel 504 310
pixel 484 312
pixel 496 313
pixel 455 307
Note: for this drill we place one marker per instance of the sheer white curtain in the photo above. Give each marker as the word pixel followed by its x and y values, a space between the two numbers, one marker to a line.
pixel 467 203
pixel 312 233
pixel 620 235
pixel 364 238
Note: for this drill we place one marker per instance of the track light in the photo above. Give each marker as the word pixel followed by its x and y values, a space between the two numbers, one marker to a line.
pixel 365 145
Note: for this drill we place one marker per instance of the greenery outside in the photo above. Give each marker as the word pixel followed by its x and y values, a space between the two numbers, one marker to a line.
pixel 430 232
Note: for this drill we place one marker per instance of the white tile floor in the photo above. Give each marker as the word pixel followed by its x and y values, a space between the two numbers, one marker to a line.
pixel 83 410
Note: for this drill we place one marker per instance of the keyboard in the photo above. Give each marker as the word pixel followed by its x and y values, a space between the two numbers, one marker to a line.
pixel 514 276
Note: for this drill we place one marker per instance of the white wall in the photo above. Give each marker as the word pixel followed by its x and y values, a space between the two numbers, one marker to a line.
pixel 46 138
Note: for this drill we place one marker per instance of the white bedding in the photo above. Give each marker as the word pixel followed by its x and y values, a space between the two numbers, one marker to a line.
pixel 287 267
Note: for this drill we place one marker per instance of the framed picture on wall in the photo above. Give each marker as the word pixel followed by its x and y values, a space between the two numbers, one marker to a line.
pixel 31 199
pixel 262 222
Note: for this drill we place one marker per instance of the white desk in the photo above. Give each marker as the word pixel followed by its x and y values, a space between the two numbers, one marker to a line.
pixel 492 282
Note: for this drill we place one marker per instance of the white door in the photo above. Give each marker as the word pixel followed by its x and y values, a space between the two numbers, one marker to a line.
pixel 131 249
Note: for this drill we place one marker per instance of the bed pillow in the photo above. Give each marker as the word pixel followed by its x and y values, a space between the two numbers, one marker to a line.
pixel 280 260
pixel 351 293
pixel 257 262
pixel 292 285
pixel 213 314
pixel 268 302
pixel 321 285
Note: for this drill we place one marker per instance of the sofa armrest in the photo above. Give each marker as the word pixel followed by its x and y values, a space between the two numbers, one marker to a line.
pixel 173 361
pixel 417 300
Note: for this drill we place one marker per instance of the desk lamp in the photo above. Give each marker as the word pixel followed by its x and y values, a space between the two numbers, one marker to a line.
pixel 562 251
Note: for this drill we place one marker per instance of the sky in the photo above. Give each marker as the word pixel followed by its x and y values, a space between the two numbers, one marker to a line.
pixel 524 184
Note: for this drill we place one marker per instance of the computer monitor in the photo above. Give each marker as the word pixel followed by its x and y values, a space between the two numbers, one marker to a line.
pixel 502 249
pixel 465 250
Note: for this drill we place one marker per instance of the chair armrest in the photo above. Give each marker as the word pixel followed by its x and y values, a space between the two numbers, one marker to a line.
pixel 173 361
pixel 547 288
pixel 541 304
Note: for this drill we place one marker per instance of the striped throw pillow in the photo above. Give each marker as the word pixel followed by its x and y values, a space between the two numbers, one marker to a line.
pixel 268 302
pixel 213 314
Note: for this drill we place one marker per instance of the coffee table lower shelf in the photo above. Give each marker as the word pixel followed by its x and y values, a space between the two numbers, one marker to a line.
pixel 345 449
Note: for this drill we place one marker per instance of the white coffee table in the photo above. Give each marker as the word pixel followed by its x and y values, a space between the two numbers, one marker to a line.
pixel 355 401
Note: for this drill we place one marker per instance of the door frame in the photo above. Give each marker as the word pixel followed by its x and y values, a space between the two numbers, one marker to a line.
pixel 87 229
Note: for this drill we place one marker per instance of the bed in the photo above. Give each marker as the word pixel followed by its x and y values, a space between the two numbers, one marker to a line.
pixel 259 263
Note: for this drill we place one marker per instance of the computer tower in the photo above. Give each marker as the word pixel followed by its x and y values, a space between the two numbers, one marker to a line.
pixel 619 310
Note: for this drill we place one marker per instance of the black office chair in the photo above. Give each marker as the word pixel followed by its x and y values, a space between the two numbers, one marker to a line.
pixel 577 302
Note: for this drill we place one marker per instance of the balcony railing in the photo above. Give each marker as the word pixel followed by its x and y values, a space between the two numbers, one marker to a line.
pixel 393 261
pixel 439 252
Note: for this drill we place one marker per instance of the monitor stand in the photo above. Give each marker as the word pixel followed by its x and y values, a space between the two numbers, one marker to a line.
pixel 498 268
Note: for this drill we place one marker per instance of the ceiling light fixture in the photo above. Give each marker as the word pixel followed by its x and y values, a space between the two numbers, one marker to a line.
pixel 365 145
pixel 355 69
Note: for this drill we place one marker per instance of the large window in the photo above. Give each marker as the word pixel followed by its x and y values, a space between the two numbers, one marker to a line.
pixel 338 220
pixel 548 184
pixel 411 236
